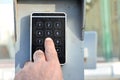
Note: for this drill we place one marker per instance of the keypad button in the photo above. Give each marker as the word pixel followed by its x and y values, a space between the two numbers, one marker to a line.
pixel 39 41
pixel 57 25
pixel 39 48
pixel 39 33
pixel 58 49
pixel 48 33
pixel 57 33
pixel 57 41
pixel 39 24
pixel 48 24
pixel 60 55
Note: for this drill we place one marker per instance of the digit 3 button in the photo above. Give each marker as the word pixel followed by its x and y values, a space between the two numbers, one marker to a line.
pixel 57 25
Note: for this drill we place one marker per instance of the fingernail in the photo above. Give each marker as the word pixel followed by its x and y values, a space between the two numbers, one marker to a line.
pixel 48 38
pixel 38 54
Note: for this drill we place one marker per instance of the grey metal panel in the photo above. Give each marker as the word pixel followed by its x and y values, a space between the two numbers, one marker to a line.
pixel 90 42
pixel 74 68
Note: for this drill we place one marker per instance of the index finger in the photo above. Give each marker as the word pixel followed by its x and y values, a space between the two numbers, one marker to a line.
pixel 50 50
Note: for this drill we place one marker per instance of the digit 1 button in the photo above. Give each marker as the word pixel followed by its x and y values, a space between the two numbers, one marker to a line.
pixel 39 24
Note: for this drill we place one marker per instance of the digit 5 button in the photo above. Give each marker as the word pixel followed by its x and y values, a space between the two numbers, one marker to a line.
pixel 48 33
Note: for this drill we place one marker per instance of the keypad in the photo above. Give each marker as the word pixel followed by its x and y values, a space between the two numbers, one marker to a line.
pixel 49 26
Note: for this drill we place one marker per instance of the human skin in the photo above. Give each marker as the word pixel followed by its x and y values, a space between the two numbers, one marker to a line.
pixel 46 65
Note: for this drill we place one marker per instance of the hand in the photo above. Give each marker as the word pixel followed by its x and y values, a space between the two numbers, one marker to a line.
pixel 46 65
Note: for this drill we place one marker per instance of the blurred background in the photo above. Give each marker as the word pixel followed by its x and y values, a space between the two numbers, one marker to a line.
pixel 7 40
pixel 102 16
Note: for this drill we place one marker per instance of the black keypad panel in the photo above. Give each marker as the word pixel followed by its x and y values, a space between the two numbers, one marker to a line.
pixel 49 25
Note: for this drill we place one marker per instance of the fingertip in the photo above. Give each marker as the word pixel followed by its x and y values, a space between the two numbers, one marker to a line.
pixel 48 39
pixel 49 44
pixel 38 55
pixel 50 51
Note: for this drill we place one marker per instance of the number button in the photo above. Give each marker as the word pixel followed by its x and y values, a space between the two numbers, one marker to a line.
pixel 48 24
pixel 39 48
pixel 48 33
pixel 57 33
pixel 39 33
pixel 39 25
pixel 57 25
pixel 39 41
pixel 58 49
pixel 57 41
